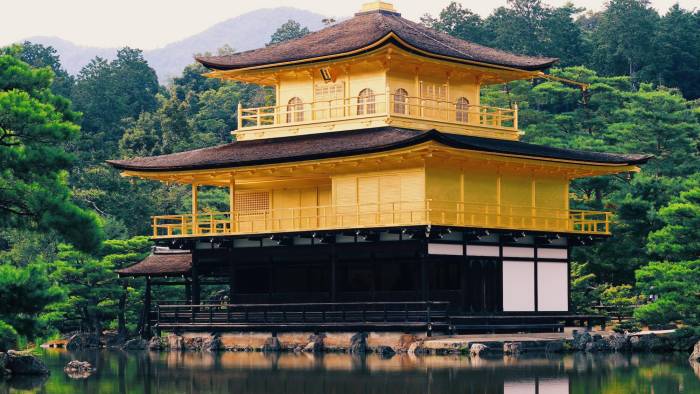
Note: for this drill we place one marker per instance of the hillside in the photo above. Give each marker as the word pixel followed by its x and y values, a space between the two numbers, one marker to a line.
pixel 247 31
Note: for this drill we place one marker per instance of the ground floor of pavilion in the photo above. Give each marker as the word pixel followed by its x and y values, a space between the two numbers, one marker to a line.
pixel 403 279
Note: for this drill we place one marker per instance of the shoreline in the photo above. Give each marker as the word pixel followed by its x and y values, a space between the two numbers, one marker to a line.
pixel 389 343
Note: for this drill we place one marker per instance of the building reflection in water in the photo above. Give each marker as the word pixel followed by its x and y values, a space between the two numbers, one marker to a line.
pixel 537 386
pixel 251 372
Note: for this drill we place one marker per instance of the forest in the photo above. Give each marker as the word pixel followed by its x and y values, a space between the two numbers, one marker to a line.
pixel 67 220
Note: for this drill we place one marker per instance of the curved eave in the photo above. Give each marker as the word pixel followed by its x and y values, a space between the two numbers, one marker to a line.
pixel 621 165
pixel 390 38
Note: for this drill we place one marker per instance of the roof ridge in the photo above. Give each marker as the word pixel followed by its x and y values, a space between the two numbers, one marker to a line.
pixel 408 25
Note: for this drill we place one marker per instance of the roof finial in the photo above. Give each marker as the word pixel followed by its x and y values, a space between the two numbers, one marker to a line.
pixel 378 6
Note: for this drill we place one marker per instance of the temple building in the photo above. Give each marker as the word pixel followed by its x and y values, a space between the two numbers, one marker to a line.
pixel 375 193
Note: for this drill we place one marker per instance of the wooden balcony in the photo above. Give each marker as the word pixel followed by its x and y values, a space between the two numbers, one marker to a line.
pixel 377 110
pixel 407 213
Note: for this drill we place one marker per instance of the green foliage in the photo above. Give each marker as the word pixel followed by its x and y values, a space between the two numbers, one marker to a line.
pixel 620 299
pixel 677 286
pixel 34 127
pixel 628 37
pixel 107 92
pixel 583 288
pixel 623 36
pixel 25 292
pixel 627 326
pixel 8 337
pixel 95 297
pixel 459 22
pixel 679 238
pixel 39 56
pixel 288 31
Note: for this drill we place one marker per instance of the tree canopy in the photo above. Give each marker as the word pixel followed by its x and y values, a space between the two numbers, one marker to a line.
pixel 628 37
pixel 288 31
pixel 35 127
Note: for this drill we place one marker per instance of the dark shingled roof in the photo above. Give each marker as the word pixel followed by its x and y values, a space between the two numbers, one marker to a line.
pixel 369 28
pixel 160 264
pixel 355 142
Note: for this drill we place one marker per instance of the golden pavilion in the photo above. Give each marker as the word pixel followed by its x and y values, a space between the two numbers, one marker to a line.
pixel 377 193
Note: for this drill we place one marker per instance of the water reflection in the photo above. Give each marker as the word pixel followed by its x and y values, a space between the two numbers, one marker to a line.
pixel 230 372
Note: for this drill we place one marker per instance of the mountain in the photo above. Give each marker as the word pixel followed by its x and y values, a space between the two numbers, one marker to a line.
pixel 244 32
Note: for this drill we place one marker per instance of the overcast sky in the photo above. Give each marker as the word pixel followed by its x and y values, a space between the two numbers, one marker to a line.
pixel 150 24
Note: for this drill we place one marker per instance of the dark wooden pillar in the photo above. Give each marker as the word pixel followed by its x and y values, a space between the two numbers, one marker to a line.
pixel 334 288
pixel 147 309
pixel 231 283
pixel 423 259
pixel 188 290
pixel 196 288
pixel 463 283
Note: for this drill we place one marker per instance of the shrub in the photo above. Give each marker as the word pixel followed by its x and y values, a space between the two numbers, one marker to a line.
pixel 8 337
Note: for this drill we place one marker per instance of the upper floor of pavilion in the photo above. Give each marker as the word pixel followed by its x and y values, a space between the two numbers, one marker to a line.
pixel 372 70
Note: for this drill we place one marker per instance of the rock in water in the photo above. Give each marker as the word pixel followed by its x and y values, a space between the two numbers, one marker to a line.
pixel 695 356
pixel 385 351
pixel 83 341
pixel 554 347
pixel 272 344
pixel 175 342
pixel 315 344
pixel 581 340
pixel 3 365
pixel 25 364
pixel 616 342
pixel 78 369
pixel 212 344
pixel 358 343
pixel 416 348
pixel 135 344
pixel 156 343
pixel 477 349
pixel 512 348
pixel 113 339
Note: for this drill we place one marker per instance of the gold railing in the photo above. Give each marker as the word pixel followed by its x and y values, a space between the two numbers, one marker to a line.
pixel 377 105
pixel 382 215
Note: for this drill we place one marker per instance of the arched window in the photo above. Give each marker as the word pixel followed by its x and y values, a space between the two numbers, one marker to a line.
pixel 462 110
pixel 400 97
pixel 295 110
pixel 365 102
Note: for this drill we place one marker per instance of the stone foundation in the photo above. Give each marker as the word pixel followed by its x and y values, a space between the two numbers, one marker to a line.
pixel 388 343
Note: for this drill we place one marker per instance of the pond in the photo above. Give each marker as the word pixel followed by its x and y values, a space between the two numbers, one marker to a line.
pixel 240 372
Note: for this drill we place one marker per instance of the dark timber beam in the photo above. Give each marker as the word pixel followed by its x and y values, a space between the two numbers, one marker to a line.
pixel 146 334
pixel 333 274
pixel 196 288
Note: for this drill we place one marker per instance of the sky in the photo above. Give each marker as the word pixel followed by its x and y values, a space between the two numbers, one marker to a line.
pixel 148 24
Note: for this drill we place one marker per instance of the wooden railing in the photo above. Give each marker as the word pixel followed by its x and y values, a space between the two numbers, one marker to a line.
pixel 299 314
pixel 404 213
pixel 377 105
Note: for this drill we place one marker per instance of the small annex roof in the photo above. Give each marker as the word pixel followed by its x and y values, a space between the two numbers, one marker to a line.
pixel 368 30
pixel 355 142
pixel 170 263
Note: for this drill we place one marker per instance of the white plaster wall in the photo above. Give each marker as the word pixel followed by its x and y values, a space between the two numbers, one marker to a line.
pixel 518 286
pixel 546 253
pixel 554 386
pixel 515 251
pixel 445 249
pixel 552 287
pixel 522 387
pixel 482 250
